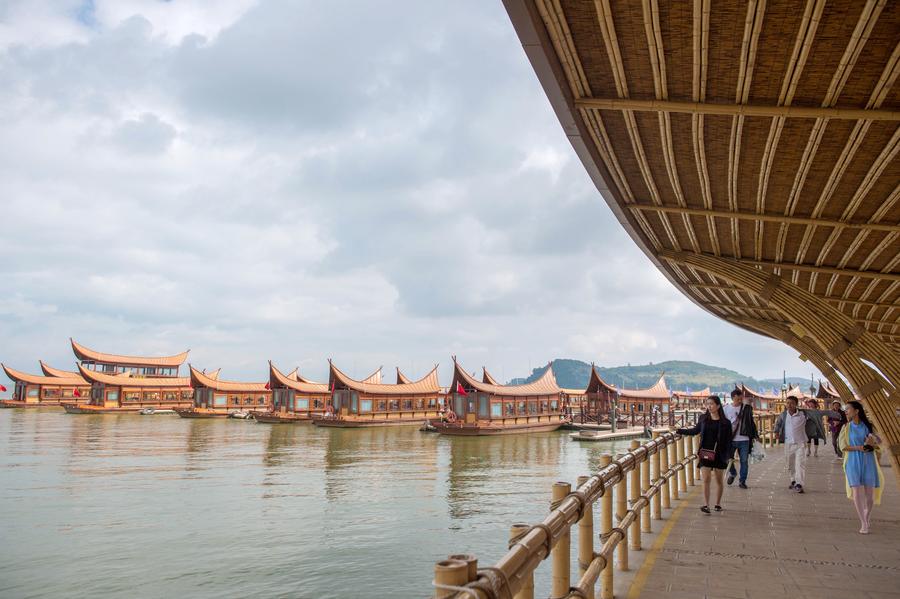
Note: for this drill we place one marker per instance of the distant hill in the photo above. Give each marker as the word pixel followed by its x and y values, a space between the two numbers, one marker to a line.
pixel 680 376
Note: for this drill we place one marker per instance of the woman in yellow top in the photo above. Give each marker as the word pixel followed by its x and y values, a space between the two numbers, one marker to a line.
pixel 865 480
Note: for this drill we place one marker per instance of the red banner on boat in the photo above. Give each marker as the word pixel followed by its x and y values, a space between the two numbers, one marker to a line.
pixel 76 393
pixel 267 386
pixel 460 390
pixel 2 388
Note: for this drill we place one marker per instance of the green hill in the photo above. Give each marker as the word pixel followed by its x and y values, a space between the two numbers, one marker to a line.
pixel 680 375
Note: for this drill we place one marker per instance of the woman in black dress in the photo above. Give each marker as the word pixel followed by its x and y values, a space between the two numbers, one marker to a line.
pixel 715 434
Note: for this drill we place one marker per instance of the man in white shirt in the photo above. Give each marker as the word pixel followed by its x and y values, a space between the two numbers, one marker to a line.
pixel 740 413
pixel 790 427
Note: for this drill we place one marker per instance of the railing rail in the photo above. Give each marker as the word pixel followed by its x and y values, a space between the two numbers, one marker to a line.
pixel 660 470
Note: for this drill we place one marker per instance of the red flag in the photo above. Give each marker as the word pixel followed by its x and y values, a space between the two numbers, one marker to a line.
pixel 460 390
pixel 2 388
pixel 267 386
pixel 76 393
pixel 332 386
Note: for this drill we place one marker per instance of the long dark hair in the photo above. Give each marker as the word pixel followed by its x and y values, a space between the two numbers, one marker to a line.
pixel 862 414
pixel 716 399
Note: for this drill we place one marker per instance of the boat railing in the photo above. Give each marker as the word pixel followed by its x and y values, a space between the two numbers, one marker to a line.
pixel 637 486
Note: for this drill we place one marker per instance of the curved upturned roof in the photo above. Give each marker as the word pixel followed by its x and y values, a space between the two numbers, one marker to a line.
pixel 826 391
pixel 544 385
pixel 279 379
pixel 487 378
pixel 428 384
pixel 85 353
pixel 402 379
pixel 50 371
pixel 769 396
pixel 702 393
pixel 35 379
pixel 658 390
pixel 124 380
pixel 199 379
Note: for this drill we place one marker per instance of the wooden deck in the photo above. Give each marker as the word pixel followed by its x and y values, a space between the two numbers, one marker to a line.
pixel 772 542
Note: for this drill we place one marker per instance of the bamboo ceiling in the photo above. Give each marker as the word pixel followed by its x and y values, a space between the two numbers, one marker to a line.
pixel 763 132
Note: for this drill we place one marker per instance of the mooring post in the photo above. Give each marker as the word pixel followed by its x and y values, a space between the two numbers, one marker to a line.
pixel 585 538
pixel 606 519
pixel 634 494
pixel 621 510
pixel 562 550
pixel 527 590
pixel 656 460
pixel 450 572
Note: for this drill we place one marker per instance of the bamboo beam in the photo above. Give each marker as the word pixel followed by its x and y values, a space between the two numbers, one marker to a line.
pixel 771 218
pixel 827 298
pixel 799 112
pixel 877 323
pixel 847 272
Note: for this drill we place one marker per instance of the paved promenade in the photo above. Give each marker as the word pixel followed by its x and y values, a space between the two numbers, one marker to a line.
pixel 771 542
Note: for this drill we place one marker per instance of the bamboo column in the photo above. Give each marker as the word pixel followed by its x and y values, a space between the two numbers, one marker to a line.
pixel 621 510
pixel 689 469
pixel 585 538
pixel 673 482
pixel 606 518
pixel 682 475
pixel 635 493
pixel 527 590
pixel 562 550
pixel 695 442
pixel 450 572
pixel 471 562
pixel 645 486
pixel 656 458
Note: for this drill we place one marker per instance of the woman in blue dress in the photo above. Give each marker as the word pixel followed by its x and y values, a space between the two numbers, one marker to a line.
pixel 859 445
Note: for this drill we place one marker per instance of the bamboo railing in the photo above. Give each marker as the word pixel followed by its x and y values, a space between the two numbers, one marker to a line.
pixel 635 487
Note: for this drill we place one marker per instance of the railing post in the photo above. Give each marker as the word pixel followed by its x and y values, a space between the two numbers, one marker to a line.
pixel 634 489
pixel 585 538
pixel 695 441
pixel 471 562
pixel 527 590
pixel 682 475
pixel 606 513
pixel 645 486
pixel 562 550
pixel 673 482
pixel 656 459
pixel 689 468
pixel 621 510
pixel 451 572
pixel 664 466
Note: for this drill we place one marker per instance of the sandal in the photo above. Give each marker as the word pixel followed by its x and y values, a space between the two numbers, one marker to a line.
pixel 718 508
pixel 704 509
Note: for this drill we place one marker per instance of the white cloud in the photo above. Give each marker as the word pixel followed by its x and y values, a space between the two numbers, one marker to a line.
pixel 303 180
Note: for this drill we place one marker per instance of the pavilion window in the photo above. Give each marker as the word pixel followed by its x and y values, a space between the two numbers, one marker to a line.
pixel 510 408
pixel 665 408
pixel 497 410
pixel 185 395
pixel 354 402
pixel 520 408
pixel 54 393
pixel 407 404
pixel 459 404
pixel 432 403
pixel 420 404
pixel 68 393
pixel 483 405
pixel 132 396
pixel 248 401
pixel 554 405
pixel 395 405
pixel 33 392
pixel 640 407
pixel 301 403
pixel 532 407
pixel 544 406
pixel 220 401
pixel 112 396
pixel 169 396
pixel 365 405
pixel 382 405
pixel 151 395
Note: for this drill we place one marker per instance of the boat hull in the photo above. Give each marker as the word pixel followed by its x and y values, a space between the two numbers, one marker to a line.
pixel 72 408
pixel 201 413
pixel 274 418
pixel 16 403
pixel 475 430
pixel 347 423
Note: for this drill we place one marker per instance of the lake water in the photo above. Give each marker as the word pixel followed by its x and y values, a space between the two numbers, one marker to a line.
pixel 153 506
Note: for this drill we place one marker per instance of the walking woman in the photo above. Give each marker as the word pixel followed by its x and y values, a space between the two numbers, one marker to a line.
pixel 715 445
pixel 865 480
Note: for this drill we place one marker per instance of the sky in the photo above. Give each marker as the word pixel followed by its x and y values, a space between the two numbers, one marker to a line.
pixel 376 183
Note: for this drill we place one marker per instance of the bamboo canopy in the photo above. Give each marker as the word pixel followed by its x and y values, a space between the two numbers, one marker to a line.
pixel 750 148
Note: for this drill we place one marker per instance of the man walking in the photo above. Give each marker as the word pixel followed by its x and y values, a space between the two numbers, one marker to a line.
pixel 790 427
pixel 743 429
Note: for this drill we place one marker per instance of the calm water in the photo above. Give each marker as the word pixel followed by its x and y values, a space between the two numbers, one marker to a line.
pixel 151 506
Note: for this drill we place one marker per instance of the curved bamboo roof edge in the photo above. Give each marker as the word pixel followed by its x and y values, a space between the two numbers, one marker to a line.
pixel 50 371
pixel 487 378
pixel 125 380
pixel 544 385
pixel 279 379
pixel 701 393
pixel 402 379
pixel 36 379
pixel 199 379
pixel 428 384
pixel 85 353
pixel 658 390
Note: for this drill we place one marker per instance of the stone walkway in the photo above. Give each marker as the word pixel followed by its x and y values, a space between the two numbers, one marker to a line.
pixel 771 542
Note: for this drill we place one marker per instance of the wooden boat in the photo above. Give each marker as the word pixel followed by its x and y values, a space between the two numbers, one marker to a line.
pixel 295 398
pixel 215 398
pixel 365 404
pixel 87 408
pixel 486 408
pixel 125 392
pixel 156 411
pixel 50 389
pixel 240 414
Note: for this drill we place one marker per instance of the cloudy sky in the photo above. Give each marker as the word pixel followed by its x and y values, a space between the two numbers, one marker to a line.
pixel 376 182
